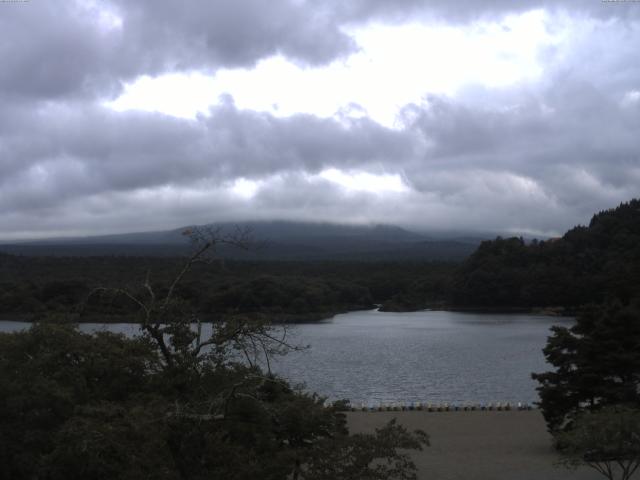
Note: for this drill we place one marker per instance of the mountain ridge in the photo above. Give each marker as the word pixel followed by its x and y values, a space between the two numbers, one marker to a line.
pixel 284 240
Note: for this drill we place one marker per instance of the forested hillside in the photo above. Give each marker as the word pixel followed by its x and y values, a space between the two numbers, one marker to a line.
pixel 31 287
pixel 588 264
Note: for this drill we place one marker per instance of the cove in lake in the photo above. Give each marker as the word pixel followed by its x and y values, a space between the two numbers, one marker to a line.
pixel 430 356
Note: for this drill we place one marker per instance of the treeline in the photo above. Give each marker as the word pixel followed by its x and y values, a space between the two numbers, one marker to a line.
pixel 284 291
pixel 590 264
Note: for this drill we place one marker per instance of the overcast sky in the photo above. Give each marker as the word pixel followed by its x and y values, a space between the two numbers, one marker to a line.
pixel 121 115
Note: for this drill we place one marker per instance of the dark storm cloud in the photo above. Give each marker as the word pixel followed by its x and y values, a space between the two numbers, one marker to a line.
pixel 576 145
pixel 79 150
pixel 231 32
pixel 50 49
pixel 81 48
pixel 258 143
pixel 53 49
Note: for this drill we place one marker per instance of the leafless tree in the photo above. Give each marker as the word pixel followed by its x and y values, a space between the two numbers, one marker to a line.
pixel 177 329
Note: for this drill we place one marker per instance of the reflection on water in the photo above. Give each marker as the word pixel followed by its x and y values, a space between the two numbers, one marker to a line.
pixel 429 356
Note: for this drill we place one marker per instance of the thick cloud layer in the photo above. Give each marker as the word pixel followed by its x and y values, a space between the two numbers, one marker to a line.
pixel 470 10
pixel 526 158
pixel 75 48
pixel 89 48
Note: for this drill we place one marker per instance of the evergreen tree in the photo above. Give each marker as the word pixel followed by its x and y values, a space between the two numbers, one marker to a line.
pixel 597 363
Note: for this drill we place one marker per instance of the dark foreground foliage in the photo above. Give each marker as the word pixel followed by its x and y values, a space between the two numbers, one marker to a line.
pixel 79 406
pixel 177 402
pixel 597 363
pixel 607 440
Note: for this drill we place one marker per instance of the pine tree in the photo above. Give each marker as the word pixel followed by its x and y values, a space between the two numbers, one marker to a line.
pixel 597 363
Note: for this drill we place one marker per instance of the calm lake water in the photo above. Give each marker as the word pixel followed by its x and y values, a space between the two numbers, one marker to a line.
pixel 431 356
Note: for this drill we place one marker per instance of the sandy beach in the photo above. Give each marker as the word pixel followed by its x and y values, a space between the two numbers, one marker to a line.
pixel 479 445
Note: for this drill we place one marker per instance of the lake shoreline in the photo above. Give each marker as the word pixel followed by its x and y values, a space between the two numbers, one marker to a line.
pixel 551 311
pixel 310 317
pixel 278 319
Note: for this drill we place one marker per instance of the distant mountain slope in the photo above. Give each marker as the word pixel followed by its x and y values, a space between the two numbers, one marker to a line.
pixel 588 264
pixel 271 231
pixel 280 240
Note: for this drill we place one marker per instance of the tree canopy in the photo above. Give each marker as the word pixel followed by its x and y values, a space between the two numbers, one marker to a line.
pixel 588 264
pixel 607 440
pixel 597 363
pixel 175 404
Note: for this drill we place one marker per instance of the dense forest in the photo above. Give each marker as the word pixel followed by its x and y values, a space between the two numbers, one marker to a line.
pixel 31 287
pixel 589 264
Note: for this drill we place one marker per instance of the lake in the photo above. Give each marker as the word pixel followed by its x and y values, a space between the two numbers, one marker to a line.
pixel 430 356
